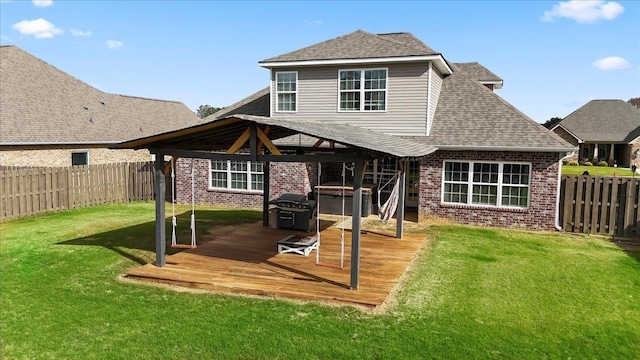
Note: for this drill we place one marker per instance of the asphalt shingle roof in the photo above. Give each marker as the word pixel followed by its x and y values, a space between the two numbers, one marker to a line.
pixel 257 103
pixel 40 104
pixel 604 120
pixel 359 45
pixel 469 115
pixel 476 71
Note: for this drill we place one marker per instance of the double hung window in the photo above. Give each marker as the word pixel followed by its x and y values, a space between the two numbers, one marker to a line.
pixel 363 90
pixel 486 183
pixel 286 91
pixel 237 175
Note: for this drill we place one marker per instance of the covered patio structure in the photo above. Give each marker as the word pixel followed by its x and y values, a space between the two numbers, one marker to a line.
pixel 251 138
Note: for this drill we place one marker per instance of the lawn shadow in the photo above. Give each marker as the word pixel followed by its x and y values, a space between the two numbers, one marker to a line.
pixel 137 242
pixel 630 248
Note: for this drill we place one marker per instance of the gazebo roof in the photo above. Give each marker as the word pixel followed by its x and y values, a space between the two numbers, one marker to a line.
pixel 224 133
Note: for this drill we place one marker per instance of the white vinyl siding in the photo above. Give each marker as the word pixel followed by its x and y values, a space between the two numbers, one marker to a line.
pixel 286 91
pixel 406 100
pixel 486 183
pixel 435 85
pixel 236 175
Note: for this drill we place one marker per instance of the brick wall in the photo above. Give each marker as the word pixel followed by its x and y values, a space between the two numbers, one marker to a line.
pixel 566 136
pixel 301 178
pixel 60 156
pixel 542 203
pixel 298 178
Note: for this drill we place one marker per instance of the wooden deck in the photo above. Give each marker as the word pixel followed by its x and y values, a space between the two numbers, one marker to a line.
pixel 245 261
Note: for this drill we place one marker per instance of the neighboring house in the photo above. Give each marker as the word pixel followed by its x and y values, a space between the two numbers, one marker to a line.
pixel 494 165
pixel 50 118
pixel 605 130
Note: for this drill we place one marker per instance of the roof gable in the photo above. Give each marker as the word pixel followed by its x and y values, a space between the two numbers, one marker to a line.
pixel 604 120
pixel 41 104
pixel 358 45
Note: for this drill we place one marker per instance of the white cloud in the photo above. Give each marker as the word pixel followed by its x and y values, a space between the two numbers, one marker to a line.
pixel 584 11
pixel 80 33
pixel 114 44
pixel 42 3
pixel 39 28
pixel 611 63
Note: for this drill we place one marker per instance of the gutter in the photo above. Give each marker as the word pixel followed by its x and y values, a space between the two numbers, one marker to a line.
pixel 557 216
pixel 504 148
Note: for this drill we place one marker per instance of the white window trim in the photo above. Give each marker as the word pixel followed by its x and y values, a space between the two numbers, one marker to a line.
pixel 499 184
pixel 229 188
pixel 363 90
pixel 80 152
pixel 275 80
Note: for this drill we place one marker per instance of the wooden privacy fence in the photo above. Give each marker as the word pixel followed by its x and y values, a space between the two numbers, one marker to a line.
pixel 600 205
pixel 29 191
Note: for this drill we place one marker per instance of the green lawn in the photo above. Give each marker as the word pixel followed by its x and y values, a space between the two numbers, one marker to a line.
pixel 473 293
pixel 596 170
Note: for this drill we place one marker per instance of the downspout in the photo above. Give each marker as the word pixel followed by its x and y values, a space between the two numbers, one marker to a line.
pixel 557 217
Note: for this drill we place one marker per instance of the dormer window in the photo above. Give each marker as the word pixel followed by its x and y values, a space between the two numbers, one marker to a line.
pixel 363 90
pixel 286 91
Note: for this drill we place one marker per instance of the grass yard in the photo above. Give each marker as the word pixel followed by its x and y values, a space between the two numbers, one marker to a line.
pixel 596 170
pixel 473 293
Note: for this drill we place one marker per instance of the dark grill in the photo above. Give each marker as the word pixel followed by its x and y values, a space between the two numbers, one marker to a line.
pixel 294 211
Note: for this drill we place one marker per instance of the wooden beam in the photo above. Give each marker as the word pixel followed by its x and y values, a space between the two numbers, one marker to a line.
pixel 265 139
pixel 198 154
pixel 240 142
pixel 318 143
pixel 159 188
pixel 266 132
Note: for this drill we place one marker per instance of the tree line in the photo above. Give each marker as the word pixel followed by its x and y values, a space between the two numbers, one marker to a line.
pixel 205 110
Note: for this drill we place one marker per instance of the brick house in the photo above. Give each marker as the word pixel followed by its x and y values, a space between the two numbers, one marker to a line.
pixel 49 118
pixel 604 130
pixel 493 164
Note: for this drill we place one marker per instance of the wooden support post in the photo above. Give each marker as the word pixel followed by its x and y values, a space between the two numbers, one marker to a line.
pixel 356 214
pixel 265 194
pixel 159 189
pixel 253 142
pixel 402 178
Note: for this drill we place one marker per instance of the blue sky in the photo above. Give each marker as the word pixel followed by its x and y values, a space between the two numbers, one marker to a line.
pixel 553 56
